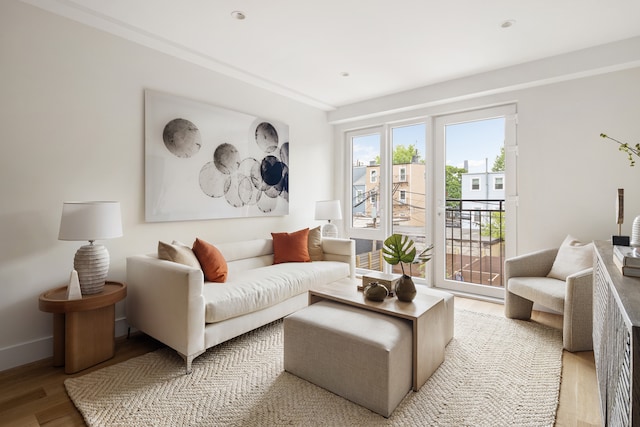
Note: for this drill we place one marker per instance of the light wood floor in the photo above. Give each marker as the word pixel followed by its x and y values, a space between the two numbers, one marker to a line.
pixel 34 395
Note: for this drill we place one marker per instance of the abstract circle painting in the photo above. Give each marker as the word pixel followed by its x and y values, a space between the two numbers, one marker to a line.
pixel 182 138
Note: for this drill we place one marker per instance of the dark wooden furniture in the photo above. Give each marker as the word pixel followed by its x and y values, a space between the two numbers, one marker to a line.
pixel 616 339
pixel 83 329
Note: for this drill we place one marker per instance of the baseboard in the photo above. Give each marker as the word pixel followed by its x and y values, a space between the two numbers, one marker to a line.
pixel 36 350
pixel 472 296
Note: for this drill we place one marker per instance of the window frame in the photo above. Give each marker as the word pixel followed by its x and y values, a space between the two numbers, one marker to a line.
pixel 473 180
pixel 402 174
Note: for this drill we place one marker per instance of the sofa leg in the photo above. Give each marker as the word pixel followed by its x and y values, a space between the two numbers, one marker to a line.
pixel 516 307
pixel 188 361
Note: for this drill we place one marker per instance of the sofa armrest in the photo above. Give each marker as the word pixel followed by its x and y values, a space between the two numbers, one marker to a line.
pixel 534 264
pixel 164 300
pixel 344 250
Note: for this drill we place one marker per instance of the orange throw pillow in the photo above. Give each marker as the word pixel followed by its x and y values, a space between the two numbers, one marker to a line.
pixel 291 247
pixel 213 264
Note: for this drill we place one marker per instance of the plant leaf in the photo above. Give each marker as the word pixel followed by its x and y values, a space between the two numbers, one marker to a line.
pixel 425 255
pixel 398 248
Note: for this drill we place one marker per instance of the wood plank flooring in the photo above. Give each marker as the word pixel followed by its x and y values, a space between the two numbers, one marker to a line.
pixel 34 394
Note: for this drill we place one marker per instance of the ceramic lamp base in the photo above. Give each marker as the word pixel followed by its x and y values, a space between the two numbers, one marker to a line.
pixel 92 264
pixel 635 232
pixel 329 230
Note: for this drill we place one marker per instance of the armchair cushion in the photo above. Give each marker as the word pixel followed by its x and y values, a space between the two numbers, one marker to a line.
pixel 544 290
pixel 573 256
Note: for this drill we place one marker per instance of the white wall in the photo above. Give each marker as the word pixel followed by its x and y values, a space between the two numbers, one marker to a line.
pixel 72 120
pixel 567 175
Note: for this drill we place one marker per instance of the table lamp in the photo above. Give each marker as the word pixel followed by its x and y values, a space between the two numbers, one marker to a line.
pixel 329 209
pixel 90 221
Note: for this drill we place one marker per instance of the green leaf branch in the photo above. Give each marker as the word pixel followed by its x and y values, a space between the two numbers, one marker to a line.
pixel 399 249
pixel 626 148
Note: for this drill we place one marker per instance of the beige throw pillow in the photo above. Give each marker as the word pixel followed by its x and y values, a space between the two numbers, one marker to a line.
pixel 315 244
pixel 573 256
pixel 177 252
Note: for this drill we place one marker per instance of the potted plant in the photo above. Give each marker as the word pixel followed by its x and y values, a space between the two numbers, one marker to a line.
pixel 400 249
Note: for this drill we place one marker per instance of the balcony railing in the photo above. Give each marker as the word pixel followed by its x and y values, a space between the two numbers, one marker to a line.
pixel 474 237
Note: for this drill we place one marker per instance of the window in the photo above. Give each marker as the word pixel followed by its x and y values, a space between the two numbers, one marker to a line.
pixel 388 162
pixel 365 180
pixel 475 184
pixel 414 174
pixel 498 183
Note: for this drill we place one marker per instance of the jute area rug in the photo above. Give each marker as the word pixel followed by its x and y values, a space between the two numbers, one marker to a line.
pixel 497 372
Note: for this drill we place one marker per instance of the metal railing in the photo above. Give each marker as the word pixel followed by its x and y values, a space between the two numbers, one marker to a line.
pixel 474 237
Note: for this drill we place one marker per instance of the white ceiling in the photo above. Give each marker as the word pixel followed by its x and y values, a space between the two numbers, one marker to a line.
pixel 300 48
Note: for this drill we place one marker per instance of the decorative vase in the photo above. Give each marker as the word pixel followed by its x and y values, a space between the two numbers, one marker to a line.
pixel 406 289
pixel 375 292
pixel 635 232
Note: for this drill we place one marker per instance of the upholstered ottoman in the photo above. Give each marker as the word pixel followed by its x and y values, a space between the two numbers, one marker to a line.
pixel 361 355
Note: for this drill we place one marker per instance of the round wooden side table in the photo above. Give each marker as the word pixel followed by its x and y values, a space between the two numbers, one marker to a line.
pixel 83 329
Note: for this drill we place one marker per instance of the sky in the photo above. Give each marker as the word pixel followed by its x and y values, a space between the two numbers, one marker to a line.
pixel 473 141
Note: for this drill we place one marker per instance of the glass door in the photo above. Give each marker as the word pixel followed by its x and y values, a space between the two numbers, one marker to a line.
pixel 367 201
pixel 475 190
pixel 388 192
pixel 408 190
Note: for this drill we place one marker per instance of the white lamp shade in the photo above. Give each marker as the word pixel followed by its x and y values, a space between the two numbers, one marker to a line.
pixel 90 221
pixel 328 209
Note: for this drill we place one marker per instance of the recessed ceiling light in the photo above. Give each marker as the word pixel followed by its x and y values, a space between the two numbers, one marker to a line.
pixel 344 74
pixel 238 15
pixel 508 23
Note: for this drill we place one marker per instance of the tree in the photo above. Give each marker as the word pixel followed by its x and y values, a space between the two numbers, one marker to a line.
pixel 498 163
pixel 403 155
pixel 495 226
pixel 453 182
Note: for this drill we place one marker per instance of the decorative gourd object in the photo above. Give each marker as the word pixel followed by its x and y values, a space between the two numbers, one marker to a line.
pixel 406 289
pixel 375 292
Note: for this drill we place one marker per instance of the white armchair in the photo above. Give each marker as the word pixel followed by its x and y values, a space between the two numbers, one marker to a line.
pixel 526 282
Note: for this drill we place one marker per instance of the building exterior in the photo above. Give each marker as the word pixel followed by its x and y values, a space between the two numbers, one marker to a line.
pixel 359 178
pixel 408 194
pixel 478 186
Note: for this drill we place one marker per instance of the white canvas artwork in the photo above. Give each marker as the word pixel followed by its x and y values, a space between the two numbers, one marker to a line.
pixel 205 162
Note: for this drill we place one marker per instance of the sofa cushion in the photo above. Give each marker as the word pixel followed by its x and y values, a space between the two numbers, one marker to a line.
pixel 214 266
pixel 177 252
pixel 572 257
pixel 291 247
pixel 251 290
pixel 315 244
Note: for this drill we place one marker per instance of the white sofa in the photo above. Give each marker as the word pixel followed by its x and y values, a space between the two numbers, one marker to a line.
pixel 172 303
